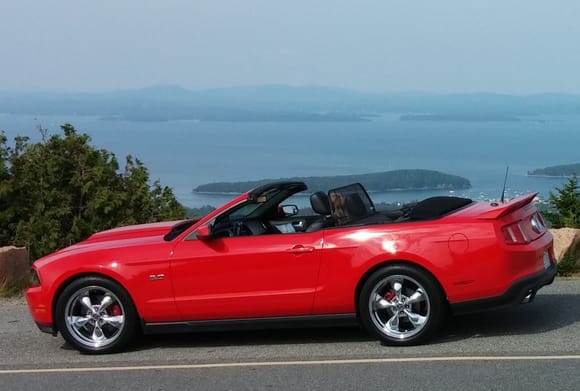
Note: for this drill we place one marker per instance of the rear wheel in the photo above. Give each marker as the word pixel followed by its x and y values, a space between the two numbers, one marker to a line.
pixel 401 305
pixel 96 315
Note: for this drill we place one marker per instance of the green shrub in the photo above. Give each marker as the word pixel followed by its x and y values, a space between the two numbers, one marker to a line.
pixel 62 189
pixel 565 211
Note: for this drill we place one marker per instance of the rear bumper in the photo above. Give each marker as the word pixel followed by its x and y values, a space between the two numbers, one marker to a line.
pixel 521 291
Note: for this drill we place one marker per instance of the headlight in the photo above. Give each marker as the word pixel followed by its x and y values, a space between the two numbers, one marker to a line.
pixel 34 278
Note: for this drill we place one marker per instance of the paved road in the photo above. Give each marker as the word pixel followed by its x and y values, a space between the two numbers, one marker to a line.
pixel 534 346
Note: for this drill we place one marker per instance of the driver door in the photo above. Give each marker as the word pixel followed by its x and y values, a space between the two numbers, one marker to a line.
pixel 246 277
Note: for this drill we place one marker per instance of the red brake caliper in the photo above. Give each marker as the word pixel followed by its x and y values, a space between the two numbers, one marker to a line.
pixel 115 310
pixel 389 295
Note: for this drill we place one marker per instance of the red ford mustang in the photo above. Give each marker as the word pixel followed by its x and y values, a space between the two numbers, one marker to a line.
pixel 256 262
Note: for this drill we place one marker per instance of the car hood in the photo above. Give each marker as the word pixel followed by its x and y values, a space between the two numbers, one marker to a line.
pixel 133 231
pixel 134 235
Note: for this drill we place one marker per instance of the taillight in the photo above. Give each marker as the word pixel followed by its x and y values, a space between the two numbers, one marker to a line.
pixel 538 223
pixel 514 234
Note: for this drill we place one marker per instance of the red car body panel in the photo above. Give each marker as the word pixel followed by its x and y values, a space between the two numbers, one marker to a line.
pixel 241 277
pixel 294 274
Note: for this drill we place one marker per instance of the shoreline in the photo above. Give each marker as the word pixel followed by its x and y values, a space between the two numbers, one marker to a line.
pixel 397 190
pixel 550 176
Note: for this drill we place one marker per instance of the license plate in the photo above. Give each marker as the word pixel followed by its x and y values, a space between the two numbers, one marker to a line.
pixel 547 262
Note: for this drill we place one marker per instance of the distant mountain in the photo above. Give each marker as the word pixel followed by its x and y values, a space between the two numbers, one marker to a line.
pixel 282 103
pixel 380 182
pixel 564 171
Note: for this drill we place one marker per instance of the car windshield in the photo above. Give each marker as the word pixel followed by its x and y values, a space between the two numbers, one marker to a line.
pixel 244 211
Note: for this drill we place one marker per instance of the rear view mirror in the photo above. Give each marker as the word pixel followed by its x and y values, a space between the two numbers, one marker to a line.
pixel 289 210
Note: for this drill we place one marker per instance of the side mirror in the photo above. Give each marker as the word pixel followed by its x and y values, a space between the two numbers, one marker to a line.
pixel 289 210
pixel 204 232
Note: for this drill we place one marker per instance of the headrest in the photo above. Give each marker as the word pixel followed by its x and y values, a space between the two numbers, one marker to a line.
pixel 320 203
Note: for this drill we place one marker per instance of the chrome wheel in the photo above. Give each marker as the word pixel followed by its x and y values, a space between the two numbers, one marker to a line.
pixel 399 306
pixel 94 316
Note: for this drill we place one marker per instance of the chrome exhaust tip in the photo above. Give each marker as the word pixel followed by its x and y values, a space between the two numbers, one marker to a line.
pixel 529 296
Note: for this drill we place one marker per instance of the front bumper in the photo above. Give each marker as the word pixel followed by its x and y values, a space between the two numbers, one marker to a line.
pixel 39 310
pixel 521 291
pixel 47 328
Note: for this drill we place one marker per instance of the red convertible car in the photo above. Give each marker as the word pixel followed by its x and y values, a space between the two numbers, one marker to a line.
pixel 257 262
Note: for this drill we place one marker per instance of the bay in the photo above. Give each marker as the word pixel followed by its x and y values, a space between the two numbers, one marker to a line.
pixel 185 154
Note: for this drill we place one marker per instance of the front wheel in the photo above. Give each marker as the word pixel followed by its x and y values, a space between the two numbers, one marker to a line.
pixel 401 305
pixel 95 315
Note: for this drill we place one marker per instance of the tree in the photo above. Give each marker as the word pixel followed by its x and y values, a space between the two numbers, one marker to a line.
pixel 62 189
pixel 144 203
pixel 567 205
pixel 5 211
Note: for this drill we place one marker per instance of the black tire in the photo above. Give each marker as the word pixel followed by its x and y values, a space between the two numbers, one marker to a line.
pixel 96 315
pixel 401 305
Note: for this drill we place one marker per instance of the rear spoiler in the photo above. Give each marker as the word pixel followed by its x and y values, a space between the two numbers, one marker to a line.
pixel 507 208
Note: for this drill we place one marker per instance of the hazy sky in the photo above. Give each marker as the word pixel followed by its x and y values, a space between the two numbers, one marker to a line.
pixel 513 46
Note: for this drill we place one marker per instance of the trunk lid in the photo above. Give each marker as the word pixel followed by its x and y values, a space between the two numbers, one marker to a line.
pixel 500 210
pixel 517 220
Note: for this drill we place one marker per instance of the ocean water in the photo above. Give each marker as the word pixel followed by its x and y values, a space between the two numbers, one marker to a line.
pixel 185 154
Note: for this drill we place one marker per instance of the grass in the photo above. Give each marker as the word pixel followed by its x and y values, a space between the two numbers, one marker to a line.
pixel 9 291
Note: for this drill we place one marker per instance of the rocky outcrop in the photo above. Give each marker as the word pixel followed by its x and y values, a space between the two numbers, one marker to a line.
pixel 14 268
pixel 564 239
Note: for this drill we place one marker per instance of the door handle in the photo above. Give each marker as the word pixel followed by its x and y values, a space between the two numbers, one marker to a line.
pixel 300 249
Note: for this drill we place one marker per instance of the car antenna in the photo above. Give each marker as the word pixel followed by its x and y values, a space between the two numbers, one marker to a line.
pixel 502 200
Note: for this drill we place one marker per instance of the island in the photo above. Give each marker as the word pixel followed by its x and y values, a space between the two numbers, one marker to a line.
pixel 561 171
pixel 387 181
pixel 465 117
